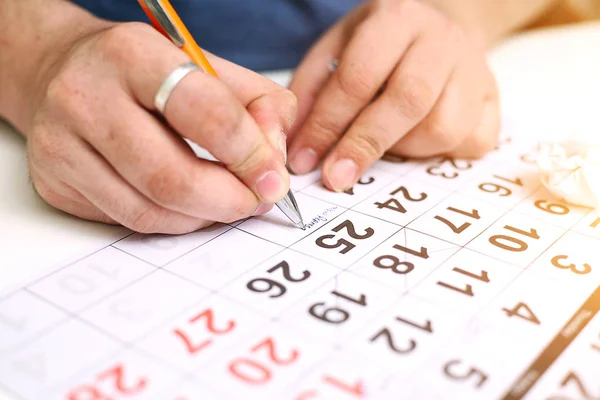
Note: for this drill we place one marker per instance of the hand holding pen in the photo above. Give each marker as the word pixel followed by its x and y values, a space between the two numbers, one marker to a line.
pixel 165 19
pixel 100 149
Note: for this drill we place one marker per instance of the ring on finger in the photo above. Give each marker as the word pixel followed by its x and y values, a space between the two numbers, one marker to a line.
pixel 170 83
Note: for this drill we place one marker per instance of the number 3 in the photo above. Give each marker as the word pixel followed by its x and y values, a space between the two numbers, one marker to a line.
pixel 585 269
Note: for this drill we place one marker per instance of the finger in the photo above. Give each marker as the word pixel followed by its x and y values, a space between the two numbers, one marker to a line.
pixel 201 108
pixel 411 92
pixel 485 135
pixel 275 113
pixel 272 106
pixel 160 166
pixel 313 72
pixel 67 199
pixel 121 202
pixel 362 70
pixel 452 119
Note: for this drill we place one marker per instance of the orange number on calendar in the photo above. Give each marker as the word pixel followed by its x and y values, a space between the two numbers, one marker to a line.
pixel 255 372
pixel 115 379
pixel 194 346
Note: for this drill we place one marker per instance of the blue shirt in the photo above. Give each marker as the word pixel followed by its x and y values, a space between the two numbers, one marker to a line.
pixel 258 34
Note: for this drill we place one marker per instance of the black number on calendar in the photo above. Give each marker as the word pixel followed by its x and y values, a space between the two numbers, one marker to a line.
pixel 336 315
pixel 455 167
pixel 454 371
pixel 362 181
pixel 394 264
pixel 386 334
pixel 573 380
pixel 511 243
pixel 395 205
pixel 324 241
pixel 503 191
pixel 275 288
pixel 467 290
pixel 523 311
pixel 552 208
pixel 473 214
pixel 560 261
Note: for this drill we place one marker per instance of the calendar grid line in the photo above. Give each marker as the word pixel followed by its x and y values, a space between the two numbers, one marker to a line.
pixel 476 313
pixel 132 341
pixel 123 345
pixel 58 269
pixel 161 267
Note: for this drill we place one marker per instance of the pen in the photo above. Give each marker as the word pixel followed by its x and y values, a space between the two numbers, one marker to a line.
pixel 165 19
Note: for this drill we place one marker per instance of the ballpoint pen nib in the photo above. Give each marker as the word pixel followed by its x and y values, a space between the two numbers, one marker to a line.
pixel 301 225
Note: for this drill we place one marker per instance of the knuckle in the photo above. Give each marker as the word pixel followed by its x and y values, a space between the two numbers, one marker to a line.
pixel 369 147
pixel 145 220
pixel 413 96
pixel 170 185
pixel 446 134
pixel 357 81
pixel 122 41
pixel 46 151
pixel 220 122
pixel 324 132
pixel 256 157
pixel 289 106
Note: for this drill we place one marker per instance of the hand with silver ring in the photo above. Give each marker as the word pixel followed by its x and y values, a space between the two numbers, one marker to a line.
pixel 105 134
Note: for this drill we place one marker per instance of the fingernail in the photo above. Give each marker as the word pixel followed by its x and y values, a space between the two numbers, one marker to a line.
pixel 342 174
pixel 304 161
pixel 283 145
pixel 263 209
pixel 270 187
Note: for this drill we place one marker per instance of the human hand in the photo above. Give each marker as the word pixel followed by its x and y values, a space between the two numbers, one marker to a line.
pixel 409 82
pixel 97 148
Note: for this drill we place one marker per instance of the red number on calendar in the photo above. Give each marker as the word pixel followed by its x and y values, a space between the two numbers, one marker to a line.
pixel 119 384
pixel 193 346
pixel 355 389
pixel 257 373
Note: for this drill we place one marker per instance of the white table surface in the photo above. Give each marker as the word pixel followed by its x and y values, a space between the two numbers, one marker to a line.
pixel 549 82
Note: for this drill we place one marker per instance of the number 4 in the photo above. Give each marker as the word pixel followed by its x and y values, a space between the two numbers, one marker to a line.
pixel 522 311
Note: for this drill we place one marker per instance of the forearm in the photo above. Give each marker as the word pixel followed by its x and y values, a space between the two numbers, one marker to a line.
pixel 33 33
pixel 489 20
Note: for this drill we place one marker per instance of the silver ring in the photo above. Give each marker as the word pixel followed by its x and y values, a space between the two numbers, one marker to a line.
pixel 169 84
pixel 333 64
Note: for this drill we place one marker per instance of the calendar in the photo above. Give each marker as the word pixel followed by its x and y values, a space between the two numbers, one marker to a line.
pixel 430 279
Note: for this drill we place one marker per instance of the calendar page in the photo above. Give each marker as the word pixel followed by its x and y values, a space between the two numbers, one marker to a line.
pixel 436 279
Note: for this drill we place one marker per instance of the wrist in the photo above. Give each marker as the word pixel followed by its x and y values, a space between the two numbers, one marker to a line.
pixel 38 34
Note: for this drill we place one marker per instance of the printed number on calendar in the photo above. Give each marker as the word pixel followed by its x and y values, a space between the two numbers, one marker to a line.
pixel 473 214
pixel 274 287
pixel 572 380
pixel 394 204
pixel 251 370
pixel 449 168
pixel 385 335
pixel 516 241
pixel 391 262
pixel 207 317
pixel 108 384
pixel 336 314
pixel 562 262
pixel 362 181
pixel 327 241
pixel 458 372
pixel 467 290
pixel 504 189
